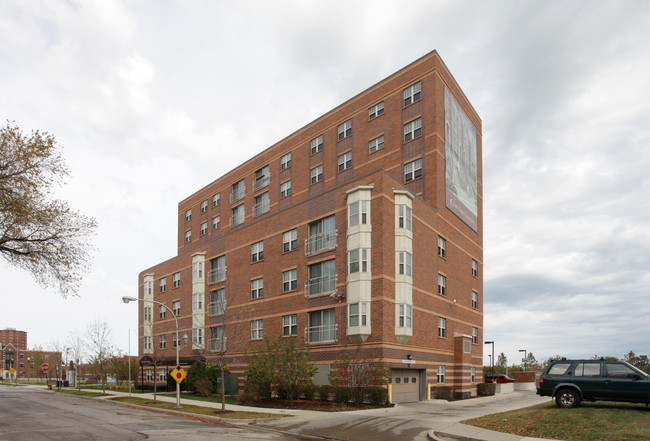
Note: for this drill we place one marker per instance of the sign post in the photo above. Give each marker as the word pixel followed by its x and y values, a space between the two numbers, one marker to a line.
pixel 44 368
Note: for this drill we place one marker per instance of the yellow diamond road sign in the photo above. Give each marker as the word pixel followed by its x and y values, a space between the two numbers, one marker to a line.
pixel 178 374
pixel 12 371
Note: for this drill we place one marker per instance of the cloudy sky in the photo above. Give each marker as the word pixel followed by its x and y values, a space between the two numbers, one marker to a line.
pixel 152 100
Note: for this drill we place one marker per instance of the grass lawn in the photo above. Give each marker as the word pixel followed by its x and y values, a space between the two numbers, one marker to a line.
pixel 198 409
pixel 216 399
pixel 81 393
pixel 590 421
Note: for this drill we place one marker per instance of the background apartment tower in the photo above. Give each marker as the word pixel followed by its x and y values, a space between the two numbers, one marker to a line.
pixel 365 226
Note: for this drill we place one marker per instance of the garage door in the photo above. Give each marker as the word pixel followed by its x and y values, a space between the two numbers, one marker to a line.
pixel 405 384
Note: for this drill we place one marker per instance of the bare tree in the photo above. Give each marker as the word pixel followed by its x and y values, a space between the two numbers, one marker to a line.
pixel 100 347
pixel 75 342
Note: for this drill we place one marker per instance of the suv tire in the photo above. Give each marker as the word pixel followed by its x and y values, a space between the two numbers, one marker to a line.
pixel 567 398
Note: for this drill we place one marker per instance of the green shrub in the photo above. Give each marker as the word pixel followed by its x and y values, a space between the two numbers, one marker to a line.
pixel 203 386
pixel 378 395
pixel 342 394
pixel 324 391
pixel 485 389
pixel 308 391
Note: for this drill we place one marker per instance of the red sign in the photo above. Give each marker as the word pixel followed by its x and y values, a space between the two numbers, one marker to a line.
pixel 44 367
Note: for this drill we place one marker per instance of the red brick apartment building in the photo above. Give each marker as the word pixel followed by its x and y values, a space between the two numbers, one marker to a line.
pixel 364 226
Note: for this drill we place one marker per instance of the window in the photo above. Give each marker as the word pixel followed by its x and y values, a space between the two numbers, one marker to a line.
pixel 176 280
pixel 358 314
pixel 467 347
pixel 257 288
pixel 404 217
pixel 188 236
pixel 289 280
pixel 216 199
pixel 376 144
pixel 413 130
pixel 148 290
pixel 262 178
pixel 474 300
pixel 285 189
pixel 188 215
pixel 358 261
pixel 472 374
pixel 238 190
pixel 204 228
pixel 405 266
pixel 257 251
pixel 322 278
pixel 474 335
pixel 345 161
pixel 442 247
pixel 322 235
pixel 162 311
pixel 163 341
pixel 618 370
pixel 148 313
pixel 441 374
pixel 149 374
pixel 257 329
pixel 316 174
pixel 412 94
pixel 412 170
pixel 405 319
pixel 345 129
pixel 317 144
pixel 217 304
pixel 197 270
pixel 289 240
pixel 358 213
pixel 289 325
pixel 197 301
pixel 322 326
pixel 148 342
pixel 176 308
pixel 217 270
pixel 442 285
pixel 162 375
pixel 204 206
pixel 163 284
pixel 174 339
pixel 238 215
pixel 197 336
pixel 442 327
pixel 262 204
pixel 474 268
pixel 285 161
pixel 376 110
pixel 217 339
pixel 216 222
pixel 588 370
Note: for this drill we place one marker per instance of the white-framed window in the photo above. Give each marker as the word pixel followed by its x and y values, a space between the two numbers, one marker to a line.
pixel 188 236
pixel 148 288
pixel 162 341
pixel 474 300
pixel 285 189
pixel 204 228
pixel 174 339
pixel 257 288
pixel 289 280
pixel 204 206
pixel 376 144
pixel 285 161
pixel 216 199
pixel 322 235
pixel 358 314
pixel 216 222
pixel 257 329
pixel 358 213
pixel 322 277
pixel 405 218
pixel 322 326
pixel 188 215
pixel 405 266
pixel 289 325
pixel 316 144
pixel 289 240
pixel 472 374
pixel 238 190
pixel 176 280
pixel 197 301
pixel 148 342
pixel 176 308
pixel 217 270
pixel 257 251
pixel 345 161
pixel 262 204
pixel 442 285
pixel 197 270
pixel 148 313
pixel 412 93
pixel 405 318
pixel 197 336
pixel 358 261
pixel 441 374
pixel 162 284
pixel 442 327
pixel 218 340
pixel 238 215
pixel 162 374
pixel 262 177
pixel 376 110
pixel 412 170
pixel 442 247
pixel 217 304
pixel 316 174
pixel 413 129
pixel 345 129
pixel 149 374
pixel 162 311
pixel 474 268
pixel 475 335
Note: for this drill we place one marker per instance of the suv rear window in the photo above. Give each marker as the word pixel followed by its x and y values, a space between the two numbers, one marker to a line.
pixel 587 370
pixel 559 368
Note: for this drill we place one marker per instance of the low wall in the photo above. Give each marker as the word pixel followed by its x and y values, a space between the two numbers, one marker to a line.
pixel 525 380
pixel 505 388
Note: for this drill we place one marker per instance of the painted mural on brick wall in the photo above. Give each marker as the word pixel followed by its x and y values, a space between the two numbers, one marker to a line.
pixel 460 167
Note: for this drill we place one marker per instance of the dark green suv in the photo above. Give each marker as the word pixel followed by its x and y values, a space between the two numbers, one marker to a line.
pixel 571 381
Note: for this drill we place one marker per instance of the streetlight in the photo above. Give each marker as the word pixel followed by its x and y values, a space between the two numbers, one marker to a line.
pixel 492 360
pixel 28 369
pixel 525 357
pixel 127 299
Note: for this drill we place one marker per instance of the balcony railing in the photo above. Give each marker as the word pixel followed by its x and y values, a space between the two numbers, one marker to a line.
pixel 217 344
pixel 320 242
pixel 261 182
pixel 261 208
pixel 236 220
pixel 217 275
pixel 237 194
pixel 321 334
pixel 320 285
pixel 217 308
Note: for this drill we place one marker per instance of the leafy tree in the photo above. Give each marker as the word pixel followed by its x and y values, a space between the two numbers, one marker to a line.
pixel 358 370
pixel 38 233
pixel 640 361
pixel 502 361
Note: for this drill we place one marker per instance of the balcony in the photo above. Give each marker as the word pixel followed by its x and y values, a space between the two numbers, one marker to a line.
pixel 320 286
pixel 320 242
pixel 261 182
pixel 217 275
pixel 322 334
pixel 237 194
pixel 217 344
pixel 217 308
pixel 261 208
pixel 236 220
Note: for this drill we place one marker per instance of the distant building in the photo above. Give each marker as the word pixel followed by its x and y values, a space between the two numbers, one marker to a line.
pixel 12 336
pixel 363 227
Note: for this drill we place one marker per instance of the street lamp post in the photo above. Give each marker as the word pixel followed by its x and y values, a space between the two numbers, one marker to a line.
pixel 492 361
pixel 28 369
pixel 525 357
pixel 127 299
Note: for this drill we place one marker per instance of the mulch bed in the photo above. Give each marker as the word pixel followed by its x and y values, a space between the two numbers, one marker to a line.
pixel 323 406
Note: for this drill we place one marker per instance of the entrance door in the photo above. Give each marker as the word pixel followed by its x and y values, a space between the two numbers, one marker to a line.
pixel 405 384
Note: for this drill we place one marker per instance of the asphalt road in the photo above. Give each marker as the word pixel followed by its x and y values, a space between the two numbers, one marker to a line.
pixel 28 414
